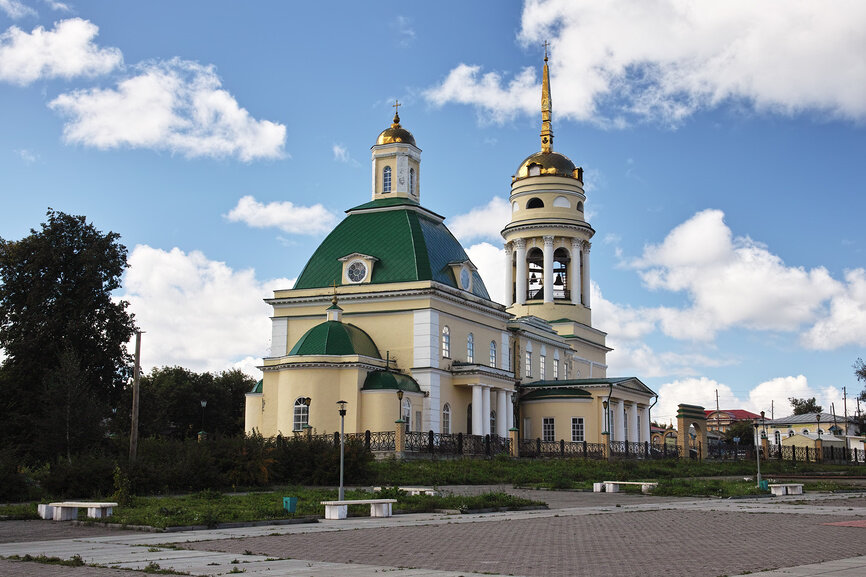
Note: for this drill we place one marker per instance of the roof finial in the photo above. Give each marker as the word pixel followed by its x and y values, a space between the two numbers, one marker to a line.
pixel 546 129
pixel 334 298
pixel 396 106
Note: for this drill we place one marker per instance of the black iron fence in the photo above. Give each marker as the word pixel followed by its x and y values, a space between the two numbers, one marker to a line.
pixel 827 454
pixel 456 444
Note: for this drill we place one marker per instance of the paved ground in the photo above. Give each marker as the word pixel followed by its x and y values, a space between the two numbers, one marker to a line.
pixel 605 535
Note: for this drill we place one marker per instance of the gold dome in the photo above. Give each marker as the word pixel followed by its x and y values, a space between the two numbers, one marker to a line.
pixel 549 163
pixel 396 133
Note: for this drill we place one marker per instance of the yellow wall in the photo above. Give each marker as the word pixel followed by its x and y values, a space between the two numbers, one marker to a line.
pixel 562 411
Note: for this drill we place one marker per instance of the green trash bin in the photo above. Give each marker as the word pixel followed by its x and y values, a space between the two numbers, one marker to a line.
pixel 765 485
pixel 290 504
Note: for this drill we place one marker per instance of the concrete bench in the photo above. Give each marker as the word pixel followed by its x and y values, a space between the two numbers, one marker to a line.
pixel 613 486
pixel 340 509
pixel 68 510
pixel 780 489
pixel 414 490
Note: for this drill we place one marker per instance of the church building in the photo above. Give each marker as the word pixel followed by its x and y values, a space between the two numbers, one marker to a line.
pixel 391 316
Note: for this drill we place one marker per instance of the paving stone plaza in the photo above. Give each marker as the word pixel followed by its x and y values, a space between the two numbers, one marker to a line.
pixel 592 534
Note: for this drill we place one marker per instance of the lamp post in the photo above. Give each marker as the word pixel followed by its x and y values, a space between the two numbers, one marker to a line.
pixel 399 404
pixel 342 405
pixel 203 405
pixel 606 416
pixel 307 426
pixel 758 449
pixel 818 421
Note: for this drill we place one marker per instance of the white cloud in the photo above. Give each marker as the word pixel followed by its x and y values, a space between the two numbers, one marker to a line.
pixel 27 156
pixel 58 6
pixel 846 323
pixel 483 222
pixel 490 262
pixel 664 60
pixel 173 105
pixel 15 9
pixel 67 51
pixel 730 282
pixel 341 154
pixel 402 25
pixel 285 215
pixel 197 313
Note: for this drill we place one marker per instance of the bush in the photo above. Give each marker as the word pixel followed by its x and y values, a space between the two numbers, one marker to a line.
pixel 86 476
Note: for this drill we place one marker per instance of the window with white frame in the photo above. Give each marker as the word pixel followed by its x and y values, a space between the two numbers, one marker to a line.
pixel 446 419
pixel 555 370
pixel 548 431
pixel 386 179
pixel 470 348
pixel 541 359
pixel 565 371
pixel 577 429
pixel 407 413
pixel 493 354
pixel 528 371
pixel 301 415
pixel 446 342
pixel 527 428
pixel 418 421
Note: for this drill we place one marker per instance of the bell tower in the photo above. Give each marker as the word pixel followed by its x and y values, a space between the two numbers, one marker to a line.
pixel 396 163
pixel 547 239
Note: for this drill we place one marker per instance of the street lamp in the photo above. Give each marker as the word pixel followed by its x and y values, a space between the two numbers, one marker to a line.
pixel 606 416
pixel 818 420
pixel 203 405
pixel 342 405
pixel 399 404
pixel 758 449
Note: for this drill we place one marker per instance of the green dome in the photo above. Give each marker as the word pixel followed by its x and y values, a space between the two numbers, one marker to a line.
pixel 410 243
pixel 335 338
pixel 387 380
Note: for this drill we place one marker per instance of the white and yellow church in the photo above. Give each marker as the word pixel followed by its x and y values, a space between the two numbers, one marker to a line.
pixel 390 302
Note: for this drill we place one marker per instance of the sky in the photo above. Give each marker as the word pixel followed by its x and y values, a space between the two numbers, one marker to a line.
pixel 722 145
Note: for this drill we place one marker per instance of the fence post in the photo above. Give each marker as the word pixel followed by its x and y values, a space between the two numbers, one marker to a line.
pixel 605 439
pixel 487 445
pixel 367 440
pixel 626 448
pixel 538 446
pixel 430 441
pixel 513 434
pixel 794 454
pixel 562 447
pixel 585 450
pixel 399 438
pixel 665 448
pixel 459 443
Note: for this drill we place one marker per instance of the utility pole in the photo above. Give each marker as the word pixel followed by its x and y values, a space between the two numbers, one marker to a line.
pixel 845 408
pixel 136 374
pixel 772 410
pixel 718 425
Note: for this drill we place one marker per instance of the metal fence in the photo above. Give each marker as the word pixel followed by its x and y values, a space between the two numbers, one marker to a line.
pixel 828 454
pixel 459 444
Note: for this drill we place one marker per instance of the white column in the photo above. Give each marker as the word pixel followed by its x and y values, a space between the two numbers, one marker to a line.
pixel 633 433
pixel 477 408
pixel 485 404
pixel 586 277
pixel 619 412
pixel 509 275
pixel 502 412
pixel 574 278
pixel 521 270
pixel 509 412
pixel 548 269
pixel 644 424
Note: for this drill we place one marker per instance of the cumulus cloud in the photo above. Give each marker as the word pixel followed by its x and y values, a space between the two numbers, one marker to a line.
pixel 665 60
pixel 769 396
pixel 846 323
pixel 66 51
pixel 175 105
pixel 15 9
pixel 197 312
pixel 285 215
pixel 484 222
pixel 341 154
pixel 490 261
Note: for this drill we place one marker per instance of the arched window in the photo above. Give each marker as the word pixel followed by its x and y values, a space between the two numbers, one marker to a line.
pixel 493 354
pixel 470 348
pixel 386 179
pixel 541 360
pixel 407 412
pixel 535 203
pixel 791 433
pixel 301 415
pixel 535 270
pixel 561 288
pixel 778 436
pixel 446 419
pixel 492 422
pixel 412 181
pixel 579 207
pixel 561 202
pixel 446 342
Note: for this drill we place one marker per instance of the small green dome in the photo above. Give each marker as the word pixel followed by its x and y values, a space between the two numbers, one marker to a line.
pixel 335 338
pixel 387 380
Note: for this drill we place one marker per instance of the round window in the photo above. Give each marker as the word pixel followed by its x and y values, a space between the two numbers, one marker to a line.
pixel 357 271
pixel 465 279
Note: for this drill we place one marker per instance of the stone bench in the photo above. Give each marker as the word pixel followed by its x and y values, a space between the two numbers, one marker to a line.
pixel 780 489
pixel 68 510
pixel 613 486
pixel 340 509
pixel 414 490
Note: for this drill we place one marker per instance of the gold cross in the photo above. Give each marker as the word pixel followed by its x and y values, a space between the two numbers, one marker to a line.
pixel 546 44
pixel 396 106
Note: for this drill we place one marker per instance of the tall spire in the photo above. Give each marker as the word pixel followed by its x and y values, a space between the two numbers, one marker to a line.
pixel 546 130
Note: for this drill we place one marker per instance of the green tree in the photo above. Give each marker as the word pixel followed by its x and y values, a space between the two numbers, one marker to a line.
pixel 805 406
pixel 745 430
pixel 860 373
pixel 58 321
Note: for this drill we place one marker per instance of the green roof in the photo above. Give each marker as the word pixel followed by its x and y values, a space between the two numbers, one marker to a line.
pixel 556 393
pixel 382 202
pixel 258 387
pixel 410 245
pixel 387 380
pixel 335 338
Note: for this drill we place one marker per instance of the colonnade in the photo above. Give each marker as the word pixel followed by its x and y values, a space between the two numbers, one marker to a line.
pixel 578 284
pixel 485 398
pixel 629 421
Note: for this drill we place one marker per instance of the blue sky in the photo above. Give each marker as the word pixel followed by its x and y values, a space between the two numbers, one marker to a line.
pixel 722 145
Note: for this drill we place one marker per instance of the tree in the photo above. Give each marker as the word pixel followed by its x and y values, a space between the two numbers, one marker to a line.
pixel 745 430
pixel 860 373
pixel 58 321
pixel 805 406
